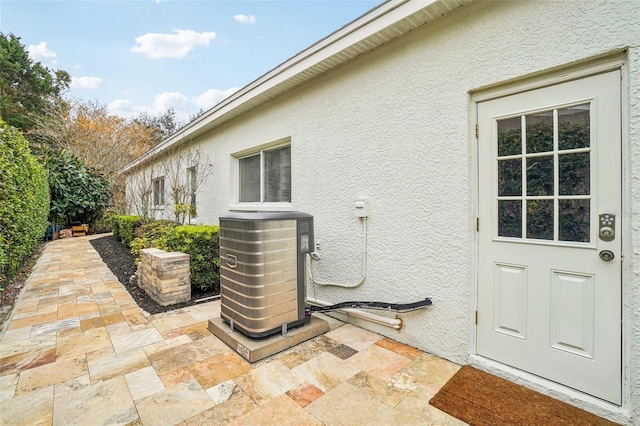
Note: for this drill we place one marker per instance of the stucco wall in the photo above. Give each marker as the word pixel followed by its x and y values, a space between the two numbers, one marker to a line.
pixel 394 126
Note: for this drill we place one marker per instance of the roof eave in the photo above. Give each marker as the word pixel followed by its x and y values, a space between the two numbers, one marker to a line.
pixel 366 33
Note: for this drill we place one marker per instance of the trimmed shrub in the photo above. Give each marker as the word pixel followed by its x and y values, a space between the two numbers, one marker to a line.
pixel 24 202
pixel 201 242
pixel 115 226
pixel 152 234
pixel 102 224
pixel 124 228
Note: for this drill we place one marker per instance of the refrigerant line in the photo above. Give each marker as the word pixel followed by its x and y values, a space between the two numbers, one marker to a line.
pixel 316 256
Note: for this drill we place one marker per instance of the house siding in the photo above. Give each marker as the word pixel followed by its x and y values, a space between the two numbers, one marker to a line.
pixel 395 125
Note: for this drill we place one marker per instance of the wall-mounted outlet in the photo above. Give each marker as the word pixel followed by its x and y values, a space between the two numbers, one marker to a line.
pixel 362 207
pixel 317 245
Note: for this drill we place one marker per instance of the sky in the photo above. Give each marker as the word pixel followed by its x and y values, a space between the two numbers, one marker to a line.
pixel 146 56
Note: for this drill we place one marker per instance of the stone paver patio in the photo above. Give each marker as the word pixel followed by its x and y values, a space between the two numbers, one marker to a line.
pixel 77 350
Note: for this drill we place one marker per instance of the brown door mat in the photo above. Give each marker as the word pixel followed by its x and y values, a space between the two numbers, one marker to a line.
pixel 479 398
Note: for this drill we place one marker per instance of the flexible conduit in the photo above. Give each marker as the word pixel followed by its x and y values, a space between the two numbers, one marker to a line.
pixel 315 256
pixel 395 323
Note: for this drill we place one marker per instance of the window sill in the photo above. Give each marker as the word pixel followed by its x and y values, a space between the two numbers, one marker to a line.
pixel 268 207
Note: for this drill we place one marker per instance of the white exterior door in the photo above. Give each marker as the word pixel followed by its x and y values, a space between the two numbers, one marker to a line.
pixel 549 271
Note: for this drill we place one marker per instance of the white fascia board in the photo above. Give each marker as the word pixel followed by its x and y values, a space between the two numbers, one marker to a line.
pixel 367 26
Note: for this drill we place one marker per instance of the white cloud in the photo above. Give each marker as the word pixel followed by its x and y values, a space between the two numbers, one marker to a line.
pixel 213 96
pixel 85 82
pixel 245 19
pixel 41 53
pixel 160 105
pixel 123 108
pixel 174 46
pixel 164 101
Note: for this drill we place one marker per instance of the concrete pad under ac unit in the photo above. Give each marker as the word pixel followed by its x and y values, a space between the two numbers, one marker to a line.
pixel 256 349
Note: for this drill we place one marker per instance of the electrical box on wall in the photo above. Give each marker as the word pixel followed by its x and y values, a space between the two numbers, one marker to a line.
pixel 362 207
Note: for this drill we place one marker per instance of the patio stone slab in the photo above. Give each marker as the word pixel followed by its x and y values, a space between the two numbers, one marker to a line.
pixel 282 411
pixel 52 373
pixel 175 358
pixel 173 405
pixel 81 343
pixel 136 339
pixel 337 408
pixel 105 403
pixel 143 382
pixel 233 405
pixel 117 364
pixel 33 408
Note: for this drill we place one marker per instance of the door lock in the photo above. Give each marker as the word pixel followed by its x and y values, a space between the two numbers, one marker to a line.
pixel 606 255
pixel 607 228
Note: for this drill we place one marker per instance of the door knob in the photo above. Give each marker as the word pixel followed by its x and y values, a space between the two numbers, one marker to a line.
pixel 606 255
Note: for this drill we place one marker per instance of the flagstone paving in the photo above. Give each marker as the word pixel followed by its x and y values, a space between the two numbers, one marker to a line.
pixel 77 350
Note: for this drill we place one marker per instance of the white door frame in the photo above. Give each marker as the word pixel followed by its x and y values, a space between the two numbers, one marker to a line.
pixel 588 67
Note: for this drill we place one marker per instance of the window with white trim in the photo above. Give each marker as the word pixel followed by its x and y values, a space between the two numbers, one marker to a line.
pixel 193 186
pixel 158 192
pixel 265 176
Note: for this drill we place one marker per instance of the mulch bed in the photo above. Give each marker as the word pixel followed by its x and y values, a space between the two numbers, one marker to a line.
pixel 121 262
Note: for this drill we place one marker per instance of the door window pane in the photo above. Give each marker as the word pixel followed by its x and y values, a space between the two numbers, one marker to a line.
pixel 510 218
pixel 573 127
pixel 539 132
pixel 540 219
pixel 540 176
pixel 250 179
pixel 509 136
pixel 574 173
pixel 510 177
pixel 574 218
pixel 544 192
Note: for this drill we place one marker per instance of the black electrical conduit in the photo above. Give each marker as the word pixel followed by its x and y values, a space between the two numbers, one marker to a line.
pixel 381 306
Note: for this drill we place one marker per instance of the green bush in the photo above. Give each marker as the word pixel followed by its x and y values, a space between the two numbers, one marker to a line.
pixel 115 226
pixel 102 224
pixel 152 234
pixel 77 192
pixel 123 228
pixel 24 202
pixel 201 242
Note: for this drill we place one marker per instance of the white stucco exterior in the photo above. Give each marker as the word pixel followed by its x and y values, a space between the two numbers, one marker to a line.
pixel 397 125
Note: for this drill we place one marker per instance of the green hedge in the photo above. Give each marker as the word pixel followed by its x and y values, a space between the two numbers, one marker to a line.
pixel 201 242
pixel 24 202
pixel 123 228
pixel 152 234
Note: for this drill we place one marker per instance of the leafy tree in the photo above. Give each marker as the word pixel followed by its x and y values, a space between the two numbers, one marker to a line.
pixel 139 192
pixel 162 126
pixel 102 141
pixel 86 129
pixel 196 115
pixel 24 201
pixel 186 173
pixel 77 192
pixel 26 88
